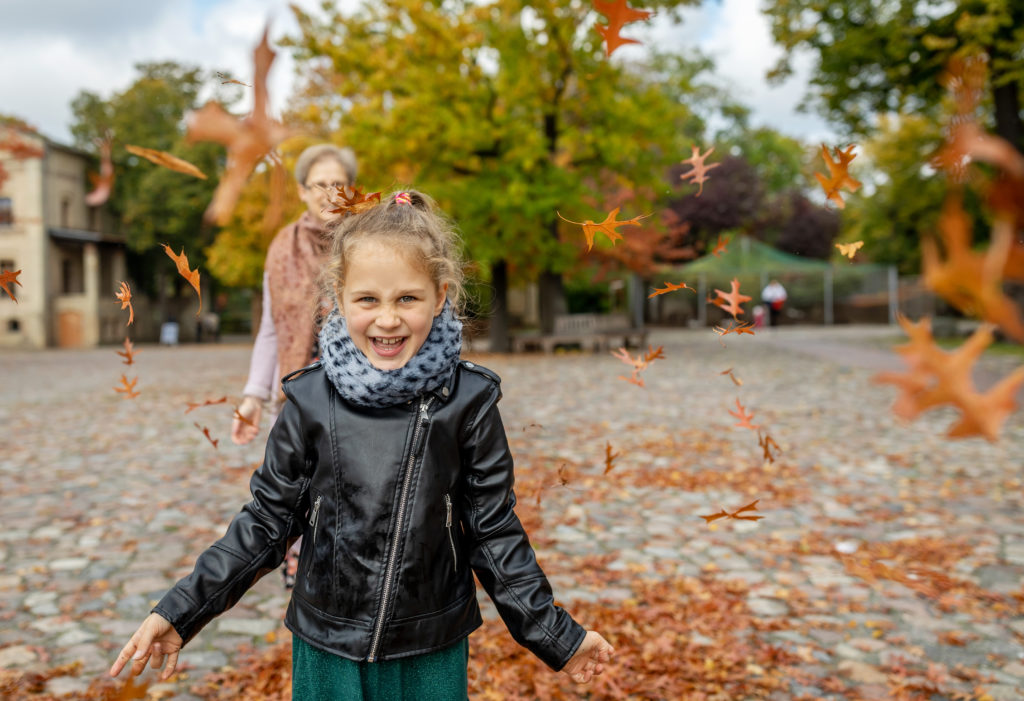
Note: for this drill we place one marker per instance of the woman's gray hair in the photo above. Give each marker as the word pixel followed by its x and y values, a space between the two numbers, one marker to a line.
pixel 345 157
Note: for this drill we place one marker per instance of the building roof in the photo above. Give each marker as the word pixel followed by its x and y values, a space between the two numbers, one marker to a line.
pixel 747 255
pixel 83 235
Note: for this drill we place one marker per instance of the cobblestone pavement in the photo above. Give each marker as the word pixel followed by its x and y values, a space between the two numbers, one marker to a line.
pixel 106 501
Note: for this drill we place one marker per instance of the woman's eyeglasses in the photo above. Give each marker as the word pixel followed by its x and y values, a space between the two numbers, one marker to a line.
pixel 329 187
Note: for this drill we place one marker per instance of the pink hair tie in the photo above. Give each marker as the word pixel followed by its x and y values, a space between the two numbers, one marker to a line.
pixel 403 198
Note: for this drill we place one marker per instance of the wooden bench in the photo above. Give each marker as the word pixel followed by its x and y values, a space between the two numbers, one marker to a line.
pixel 594 331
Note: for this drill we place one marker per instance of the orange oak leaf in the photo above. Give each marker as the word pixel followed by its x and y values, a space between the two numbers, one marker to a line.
pixel 248 140
pixel 124 296
pixel 609 457
pixel 128 388
pixel 639 363
pixel 936 377
pixel 720 245
pixel 838 176
pixel 733 299
pixel 743 416
pixel 699 173
pixel 167 160
pixel 103 183
pixel 737 514
pixel 206 432
pixel 969 280
pixel 670 287
pixel 348 199
pixel 619 14
pixel 192 406
pixel 714 517
pixel 181 261
pixel 735 380
pixel 767 444
pixel 241 418
pixel 128 353
pixel 607 227
pixel 225 80
pixel 6 278
pixel 849 249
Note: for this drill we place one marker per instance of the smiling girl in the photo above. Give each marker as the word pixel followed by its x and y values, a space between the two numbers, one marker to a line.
pixel 390 459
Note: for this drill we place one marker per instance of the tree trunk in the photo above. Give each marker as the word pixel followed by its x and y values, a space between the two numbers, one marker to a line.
pixel 498 334
pixel 551 292
pixel 1008 122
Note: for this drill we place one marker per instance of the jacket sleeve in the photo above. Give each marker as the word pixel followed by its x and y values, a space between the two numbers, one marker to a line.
pixel 255 541
pixel 500 551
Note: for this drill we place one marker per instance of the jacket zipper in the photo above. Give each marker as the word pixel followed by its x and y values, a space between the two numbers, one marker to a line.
pixel 399 522
pixel 448 527
pixel 314 518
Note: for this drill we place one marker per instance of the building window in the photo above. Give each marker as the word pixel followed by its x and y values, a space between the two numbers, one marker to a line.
pixel 9 265
pixel 65 212
pixel 13 326
pixel 6 212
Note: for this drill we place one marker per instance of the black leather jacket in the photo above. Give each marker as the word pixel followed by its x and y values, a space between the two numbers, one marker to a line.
pixel 396 507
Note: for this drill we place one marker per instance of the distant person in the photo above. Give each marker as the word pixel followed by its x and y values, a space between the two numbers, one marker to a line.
pixel 287 339
pixel 774 296
pixel 390 455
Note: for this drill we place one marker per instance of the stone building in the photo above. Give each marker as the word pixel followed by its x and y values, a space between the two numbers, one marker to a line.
pixel 70 263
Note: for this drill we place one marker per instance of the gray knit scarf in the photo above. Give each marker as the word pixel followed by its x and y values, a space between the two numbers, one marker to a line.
pixel 351 373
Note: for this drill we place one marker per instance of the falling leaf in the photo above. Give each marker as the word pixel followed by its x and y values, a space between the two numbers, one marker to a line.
pixel 128 388
pixel 720 245
pixel 743 416
pixel 6 278
pixel 350 199
pixel 225 80
pixel 732 300
pixel 735 380
pixel 124 296
pixel 167 160
pixel 241 418
pixel 181 261
pixel 103 183
pixel 192 406
pixel 767 444
pixel 849 249
pixel 206 432
pixel 619 14
pixel 699 173
pixel 741 327
pixel 838 176
pixel 247 140
pixel 670 287
pixel 936 377
pixel 609 457
pixel 735 514
pixel 128 353
pixel 639 363
pixel 607 227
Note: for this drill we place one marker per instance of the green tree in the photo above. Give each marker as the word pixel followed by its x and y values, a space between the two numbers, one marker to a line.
pixel 152 204
pixel 887 57
pixel 505 112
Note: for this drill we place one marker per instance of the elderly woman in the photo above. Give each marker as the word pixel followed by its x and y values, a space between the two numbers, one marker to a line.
pixel 287 339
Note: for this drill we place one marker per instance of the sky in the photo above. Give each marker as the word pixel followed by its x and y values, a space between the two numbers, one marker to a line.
pixel 53 49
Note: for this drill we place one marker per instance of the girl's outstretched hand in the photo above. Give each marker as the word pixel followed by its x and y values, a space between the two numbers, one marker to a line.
pixel 155 642
pixel 589 659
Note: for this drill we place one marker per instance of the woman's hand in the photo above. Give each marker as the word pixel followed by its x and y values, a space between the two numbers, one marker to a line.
pixel 155 642
pixel 589 659
pixel 241 432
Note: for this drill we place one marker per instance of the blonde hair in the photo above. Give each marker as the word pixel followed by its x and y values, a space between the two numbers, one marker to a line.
pixel 415 226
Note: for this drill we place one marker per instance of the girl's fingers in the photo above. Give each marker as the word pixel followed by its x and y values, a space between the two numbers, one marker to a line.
pixel 122 658
pixel 172 663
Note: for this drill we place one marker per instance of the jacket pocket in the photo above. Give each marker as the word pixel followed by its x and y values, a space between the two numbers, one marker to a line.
pixel 314 527
pixel 449 524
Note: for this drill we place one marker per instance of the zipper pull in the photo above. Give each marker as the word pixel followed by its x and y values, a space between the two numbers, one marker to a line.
pixel 316 511
pixel 448 511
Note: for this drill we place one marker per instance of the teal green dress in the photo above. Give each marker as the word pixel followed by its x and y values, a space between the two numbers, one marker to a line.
pixel 322 676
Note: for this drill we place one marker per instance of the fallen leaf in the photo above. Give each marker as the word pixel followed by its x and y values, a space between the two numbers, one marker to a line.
pixel 124 296
pixel 167 160
pixel 609 457
pixel 699 173
pixel 607 227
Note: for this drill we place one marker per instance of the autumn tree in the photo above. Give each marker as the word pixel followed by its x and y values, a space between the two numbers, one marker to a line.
pixel 887 57
pixel 504 111
pixel 153 205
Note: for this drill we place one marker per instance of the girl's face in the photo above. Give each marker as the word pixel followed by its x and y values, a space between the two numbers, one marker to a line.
pixel 389 304
pixel 323 178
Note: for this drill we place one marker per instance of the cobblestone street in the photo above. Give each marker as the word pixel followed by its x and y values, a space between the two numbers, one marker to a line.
pixel 107 501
